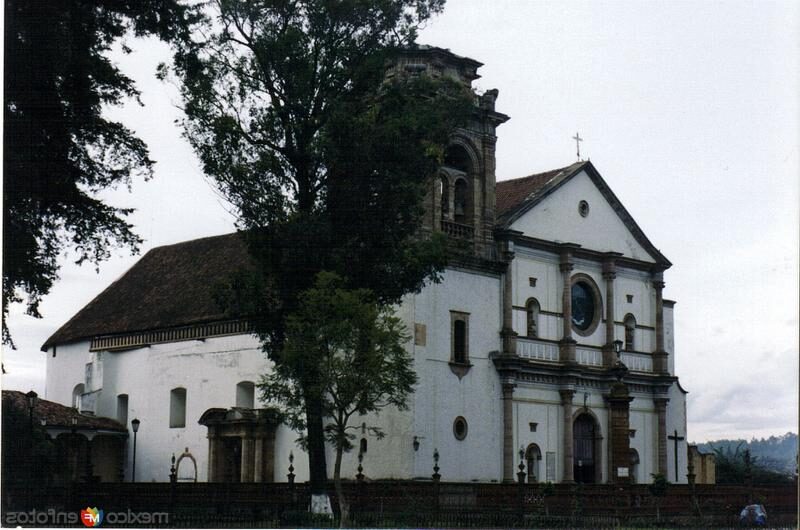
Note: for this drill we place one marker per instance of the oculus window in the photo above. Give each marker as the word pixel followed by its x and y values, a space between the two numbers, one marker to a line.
pixel 586 305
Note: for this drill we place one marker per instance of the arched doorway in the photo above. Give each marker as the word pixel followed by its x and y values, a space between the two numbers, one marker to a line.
pixel 533 455
pixel 634 462
pixel 585 449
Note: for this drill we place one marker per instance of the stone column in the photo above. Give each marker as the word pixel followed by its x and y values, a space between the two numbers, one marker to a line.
pixel 258 475
pixel 567 343
pixel 214 457
pixel 619 404
pixel 566 403
pixel 246 474
pixel 609 274
pixel 661 433
pixel 660 364
pixel 508 431
pixel 508 334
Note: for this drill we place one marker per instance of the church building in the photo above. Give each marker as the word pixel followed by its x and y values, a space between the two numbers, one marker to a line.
pixel 547 341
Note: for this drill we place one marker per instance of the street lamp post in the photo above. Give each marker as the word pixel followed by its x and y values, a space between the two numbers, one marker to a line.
pixel 32 398
pixel 135 425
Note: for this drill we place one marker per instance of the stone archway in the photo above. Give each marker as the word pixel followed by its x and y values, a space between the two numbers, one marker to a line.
pixel 586 449
pixel 241 444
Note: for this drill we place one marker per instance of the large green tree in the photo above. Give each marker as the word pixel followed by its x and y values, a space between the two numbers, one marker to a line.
pixel 58 148
pixel 359 347
pixel 326 162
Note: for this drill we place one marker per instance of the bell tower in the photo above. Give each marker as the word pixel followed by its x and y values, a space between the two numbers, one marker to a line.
pixel 461 199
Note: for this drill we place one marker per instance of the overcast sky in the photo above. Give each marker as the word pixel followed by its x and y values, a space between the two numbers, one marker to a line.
pixel 689 110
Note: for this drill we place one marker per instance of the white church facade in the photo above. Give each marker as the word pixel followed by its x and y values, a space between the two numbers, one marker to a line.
pixel 547 340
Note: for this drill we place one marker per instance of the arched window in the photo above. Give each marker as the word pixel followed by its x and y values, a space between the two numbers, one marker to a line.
pixel 444 193
pixel 461 213
pixel 363 446
pixel 122 409
pixel 76 396
pixel 630 332
pixel 177 407
pixel 532 310
pixel 246 395
pixel 533 455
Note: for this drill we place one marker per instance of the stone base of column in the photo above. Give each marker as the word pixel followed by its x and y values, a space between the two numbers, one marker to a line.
pixel 509 337
pixel 566 351
pixel 660 365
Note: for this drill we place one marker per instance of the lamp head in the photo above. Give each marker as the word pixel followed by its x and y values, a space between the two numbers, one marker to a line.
pixel 135 424
pixel 617 346
pixel 32 398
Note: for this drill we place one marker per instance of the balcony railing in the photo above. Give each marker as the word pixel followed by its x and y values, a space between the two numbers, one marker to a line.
pixel 537 350
pixel 589 356
pixel 637 362
pixel 541 350
pixel 457 230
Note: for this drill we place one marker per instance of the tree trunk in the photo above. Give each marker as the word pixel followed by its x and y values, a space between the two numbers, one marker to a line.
pixel 344 507
pixel 317 466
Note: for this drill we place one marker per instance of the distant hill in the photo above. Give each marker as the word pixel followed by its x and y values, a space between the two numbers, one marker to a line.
pixel 776 453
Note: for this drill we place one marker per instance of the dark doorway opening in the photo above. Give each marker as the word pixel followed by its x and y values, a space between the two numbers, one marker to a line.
pixel 584 449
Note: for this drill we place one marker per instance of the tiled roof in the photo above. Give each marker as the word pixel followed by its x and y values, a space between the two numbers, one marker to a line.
pixel 169 286
pixel 57 415
pixel 510 194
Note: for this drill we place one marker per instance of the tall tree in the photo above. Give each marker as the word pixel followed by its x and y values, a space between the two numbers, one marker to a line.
pixel 326 163
pixel 59 150
pixel 359 346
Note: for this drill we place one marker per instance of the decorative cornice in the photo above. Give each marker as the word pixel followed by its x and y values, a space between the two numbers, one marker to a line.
pixel 581 253
pixel 159 336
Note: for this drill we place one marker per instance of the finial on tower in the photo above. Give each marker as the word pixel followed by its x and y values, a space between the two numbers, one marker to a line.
pixel 578 141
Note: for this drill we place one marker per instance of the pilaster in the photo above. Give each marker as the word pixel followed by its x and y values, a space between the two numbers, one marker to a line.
pixel 660 364
pixel 508 430
pixel 508 335
pixel 567 343
pixel 609 275
pixel 566 404
pixel 661 433
pixel 619 404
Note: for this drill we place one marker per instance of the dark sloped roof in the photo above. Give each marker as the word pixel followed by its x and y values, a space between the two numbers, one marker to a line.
pixel 58 415
pixel 510 194
pixel 169 286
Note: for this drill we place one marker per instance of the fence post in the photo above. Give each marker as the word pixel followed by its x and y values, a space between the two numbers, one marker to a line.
pixel 290 476
pixel 173 480
pixel 521 486
pixel 436 477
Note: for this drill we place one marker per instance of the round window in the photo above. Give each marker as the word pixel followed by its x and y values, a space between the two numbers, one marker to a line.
pixel 583 208
pixel 460 428
pixel 583 306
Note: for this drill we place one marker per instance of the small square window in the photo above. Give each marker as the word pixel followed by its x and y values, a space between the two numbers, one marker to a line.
pixel 532 281
pixel 630 298
pixel 632 433
pixel 533 426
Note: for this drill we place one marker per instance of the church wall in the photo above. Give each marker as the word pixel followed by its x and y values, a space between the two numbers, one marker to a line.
pixel 676 420
pixel 209 371
pixel 65 370
pixel 531 263
pixel 441 396
pixel 556 218
pixel 644 421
